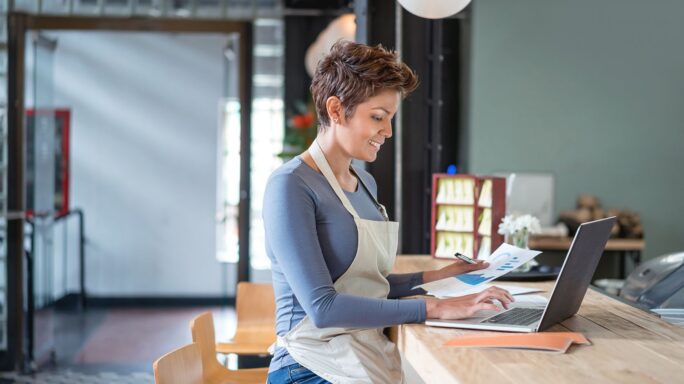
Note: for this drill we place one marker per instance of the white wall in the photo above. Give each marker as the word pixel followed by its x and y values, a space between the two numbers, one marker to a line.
pixel 591 91
pixel 143 161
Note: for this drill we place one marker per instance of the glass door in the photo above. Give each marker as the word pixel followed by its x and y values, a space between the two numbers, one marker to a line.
pixel 233 192
pixel 258 155
pixel 41 149
pixel 229 161
pixel 268 118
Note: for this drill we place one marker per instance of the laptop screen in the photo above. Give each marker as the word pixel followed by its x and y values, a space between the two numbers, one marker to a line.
pixel 579 266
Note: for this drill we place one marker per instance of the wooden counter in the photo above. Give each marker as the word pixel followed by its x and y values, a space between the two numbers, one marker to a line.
pixel 628 346
pixel 563 244
pixel 627 249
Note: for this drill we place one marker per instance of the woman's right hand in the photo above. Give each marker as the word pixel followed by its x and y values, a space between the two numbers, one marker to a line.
pixel 465 306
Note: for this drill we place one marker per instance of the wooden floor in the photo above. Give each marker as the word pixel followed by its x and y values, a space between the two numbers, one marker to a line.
pixel 118 345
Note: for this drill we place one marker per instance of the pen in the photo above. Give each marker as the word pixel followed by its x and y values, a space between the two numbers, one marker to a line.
pixel 465 258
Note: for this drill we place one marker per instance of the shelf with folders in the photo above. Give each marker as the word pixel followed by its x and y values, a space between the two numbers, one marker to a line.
pixel 491 206
pixel 466 212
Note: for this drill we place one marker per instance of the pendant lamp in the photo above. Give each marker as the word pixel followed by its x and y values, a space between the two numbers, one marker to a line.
pixel 434 9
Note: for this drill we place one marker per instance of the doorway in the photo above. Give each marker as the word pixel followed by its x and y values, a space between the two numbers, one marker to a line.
pixel 24 348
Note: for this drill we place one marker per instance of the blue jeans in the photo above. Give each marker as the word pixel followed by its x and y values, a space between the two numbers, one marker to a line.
pixel 294 374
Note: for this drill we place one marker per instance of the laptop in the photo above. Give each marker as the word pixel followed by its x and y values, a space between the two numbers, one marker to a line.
pixel 571 286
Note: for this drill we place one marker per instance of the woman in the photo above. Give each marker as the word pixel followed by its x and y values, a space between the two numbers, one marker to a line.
pixel 330 242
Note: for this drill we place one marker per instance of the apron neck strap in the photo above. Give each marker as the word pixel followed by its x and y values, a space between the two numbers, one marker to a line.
pixel 379 206
pixel 322 164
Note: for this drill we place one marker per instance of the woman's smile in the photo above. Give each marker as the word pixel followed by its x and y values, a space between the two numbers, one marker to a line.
pixel 376 145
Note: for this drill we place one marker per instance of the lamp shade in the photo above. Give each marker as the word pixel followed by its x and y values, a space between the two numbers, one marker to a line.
pixel 342 28
pixel 434 9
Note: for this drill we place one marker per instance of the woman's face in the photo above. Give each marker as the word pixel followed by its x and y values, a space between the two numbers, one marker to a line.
pixel 364 133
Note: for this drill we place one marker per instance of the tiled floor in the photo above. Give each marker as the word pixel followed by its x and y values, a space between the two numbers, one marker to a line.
pixel 116 346
pixel 70 377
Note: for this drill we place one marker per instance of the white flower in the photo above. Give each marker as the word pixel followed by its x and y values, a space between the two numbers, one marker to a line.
pixel 506 225
pixel 512 224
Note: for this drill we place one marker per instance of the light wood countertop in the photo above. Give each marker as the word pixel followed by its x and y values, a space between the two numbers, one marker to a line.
pixel 563 244
pixel 628 346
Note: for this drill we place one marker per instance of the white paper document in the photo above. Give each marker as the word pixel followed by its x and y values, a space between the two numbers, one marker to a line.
pixel 506 258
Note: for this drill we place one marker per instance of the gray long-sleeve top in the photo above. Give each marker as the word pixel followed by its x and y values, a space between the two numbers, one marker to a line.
pixel 311 240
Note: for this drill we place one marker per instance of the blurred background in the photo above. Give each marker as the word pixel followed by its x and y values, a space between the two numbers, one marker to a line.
pixel 137 137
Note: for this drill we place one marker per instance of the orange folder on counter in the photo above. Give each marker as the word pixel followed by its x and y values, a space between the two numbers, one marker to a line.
pixel 541 341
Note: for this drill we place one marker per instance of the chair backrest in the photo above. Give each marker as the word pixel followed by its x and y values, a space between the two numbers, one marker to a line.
pixel 255 305
pixel 180 366
pixel 202 329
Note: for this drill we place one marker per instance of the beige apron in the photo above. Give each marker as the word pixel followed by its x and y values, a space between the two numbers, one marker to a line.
pixel 353 355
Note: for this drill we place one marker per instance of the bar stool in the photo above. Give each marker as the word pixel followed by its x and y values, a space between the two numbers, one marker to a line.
pixel 255 307
pixel 180 366
pixel 202 329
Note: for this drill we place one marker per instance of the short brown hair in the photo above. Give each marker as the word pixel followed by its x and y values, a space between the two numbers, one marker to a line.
pixel 355 72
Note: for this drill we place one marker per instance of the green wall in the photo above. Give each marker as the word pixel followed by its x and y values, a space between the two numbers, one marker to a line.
pixel 591 91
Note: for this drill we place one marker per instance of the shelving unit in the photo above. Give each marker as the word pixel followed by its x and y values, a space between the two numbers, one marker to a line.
pixel 466 212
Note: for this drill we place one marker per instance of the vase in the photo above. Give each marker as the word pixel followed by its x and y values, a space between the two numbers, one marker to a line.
pixel 521 239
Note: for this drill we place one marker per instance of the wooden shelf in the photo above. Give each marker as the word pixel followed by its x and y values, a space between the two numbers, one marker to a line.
pixel 563 244
pixel 470 231
pixel 455 205
pixel 488 206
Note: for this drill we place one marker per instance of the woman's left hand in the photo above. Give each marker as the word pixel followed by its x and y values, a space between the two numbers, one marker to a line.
pixel 457 268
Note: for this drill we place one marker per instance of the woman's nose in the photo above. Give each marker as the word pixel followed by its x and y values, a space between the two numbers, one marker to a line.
pixel 387 131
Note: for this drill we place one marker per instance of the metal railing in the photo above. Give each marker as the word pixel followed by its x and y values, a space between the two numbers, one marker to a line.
pixel 28 364
pixel 78 212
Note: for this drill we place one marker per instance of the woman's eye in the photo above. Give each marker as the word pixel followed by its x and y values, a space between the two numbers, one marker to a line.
pixel 377 118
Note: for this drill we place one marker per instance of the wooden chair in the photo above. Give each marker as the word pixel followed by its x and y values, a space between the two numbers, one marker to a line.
pixel 202 328
pixel 255 307
pixel 181 366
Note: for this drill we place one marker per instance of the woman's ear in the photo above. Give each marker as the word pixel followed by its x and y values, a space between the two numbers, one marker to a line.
pixel 333 106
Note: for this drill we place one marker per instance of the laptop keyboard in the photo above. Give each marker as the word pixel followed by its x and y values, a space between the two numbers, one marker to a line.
pixel 517 316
